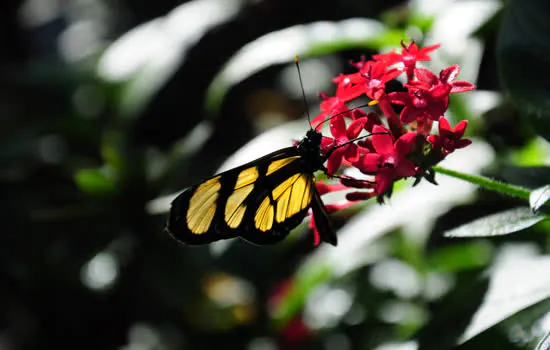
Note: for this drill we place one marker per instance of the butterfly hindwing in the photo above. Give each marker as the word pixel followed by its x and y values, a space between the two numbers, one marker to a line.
pixel 260 201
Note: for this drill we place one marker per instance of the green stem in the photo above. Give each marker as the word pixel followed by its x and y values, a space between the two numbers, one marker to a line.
pixel 489 184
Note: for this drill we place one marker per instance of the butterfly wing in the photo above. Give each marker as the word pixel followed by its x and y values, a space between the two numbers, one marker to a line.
pixel 322 221
pixel 260 201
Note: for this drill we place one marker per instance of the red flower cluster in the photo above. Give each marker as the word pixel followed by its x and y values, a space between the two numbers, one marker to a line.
pixel 403 145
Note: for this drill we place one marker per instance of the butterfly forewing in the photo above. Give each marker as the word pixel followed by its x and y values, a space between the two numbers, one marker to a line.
pixel 260 201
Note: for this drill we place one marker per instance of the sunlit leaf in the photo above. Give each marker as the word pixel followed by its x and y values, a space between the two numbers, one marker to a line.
pixel 544 343
pixel 147 56
pixel 308 40
pixel 498 224
pixel 539 197
pixel 519 280
pixel 95 181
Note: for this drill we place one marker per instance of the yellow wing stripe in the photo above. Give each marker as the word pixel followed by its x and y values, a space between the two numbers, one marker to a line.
pixel 297 196
pixel 263 220
pixel 235 219
pixel 247 177
pixel 292 196
pixel 278 164
pixel 284 186
pixel 234 210
pixel 282 206
pixel 202 206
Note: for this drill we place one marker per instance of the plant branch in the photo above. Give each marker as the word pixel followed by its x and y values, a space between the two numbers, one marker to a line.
pixel 487 183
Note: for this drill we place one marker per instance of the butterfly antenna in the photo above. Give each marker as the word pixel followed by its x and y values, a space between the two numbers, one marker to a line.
pixel 371 103
pixel 306 107
pixel 352 141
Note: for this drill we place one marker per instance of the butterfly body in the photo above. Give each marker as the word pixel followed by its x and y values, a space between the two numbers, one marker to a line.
pixel 261 201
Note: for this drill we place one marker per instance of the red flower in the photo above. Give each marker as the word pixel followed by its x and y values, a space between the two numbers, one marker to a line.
pixel 389 163
pixel 329 106
pixel 324 188
pixel 370 80
pixel 360 195
pixel 449 139
pixel 442 85
pixel 409 56
pixel 428 97
pixel 420 104
pixel 342 135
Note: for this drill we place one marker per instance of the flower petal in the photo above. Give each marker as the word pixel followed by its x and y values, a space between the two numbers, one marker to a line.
pixel 335 160
pixel 461 86
pixel 462 143
pixel 373 119
pixel 318 121
pixel 391 74
pixel 422 54
pixel 441 90
pixel 351 152
pixel 405 144
pixel 406 168
pixel 460 128
pixel 434 140
pixel 426 75
pixel 410 114
pixel 355 127
pixel 360 196
pixel 384 180
pixel 444 126
pixel 324 188
pixel 383 143
pixel 327 143
pixel 449 74
pixel 369 163
pixel 338 127
pixel 399 98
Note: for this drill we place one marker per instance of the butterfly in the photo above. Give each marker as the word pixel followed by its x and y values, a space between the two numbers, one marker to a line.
pixel 261 201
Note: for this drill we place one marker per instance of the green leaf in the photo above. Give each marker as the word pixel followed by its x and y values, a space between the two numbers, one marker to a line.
pixel 487 183
pixel 527 176
pixel 539 197
pixel 503 223
pixel 518 281
pixel 95 182
pixel 544 343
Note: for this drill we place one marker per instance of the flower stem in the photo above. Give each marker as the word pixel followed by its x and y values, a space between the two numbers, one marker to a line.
pixel 487 183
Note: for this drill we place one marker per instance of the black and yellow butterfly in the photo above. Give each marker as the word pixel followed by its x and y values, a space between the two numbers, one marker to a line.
pixel 261 201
